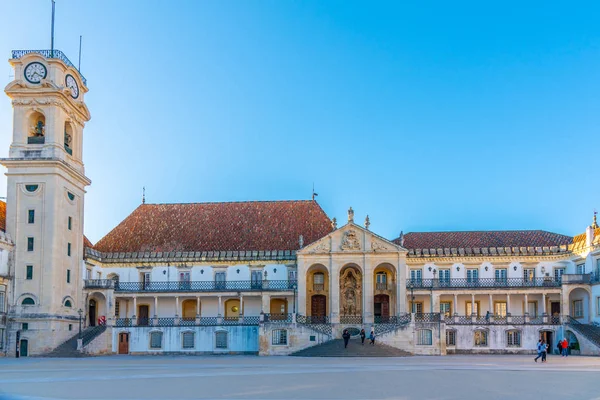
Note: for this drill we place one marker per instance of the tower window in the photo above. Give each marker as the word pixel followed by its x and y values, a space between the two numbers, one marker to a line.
pixel 25 326
pixel 31 188
pixel 71 196
pixel 69 249
pixel 70 223
pixel 31 216
pixel 28 301
pixel 29 272
pixel 68 276
pixel 29 244
pixel 68 303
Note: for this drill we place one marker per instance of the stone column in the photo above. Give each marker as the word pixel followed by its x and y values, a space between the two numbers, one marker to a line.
pixel 544 315
pixel 435 302
pixel 455 304
pixel 155 306
pixel 401 289
pixel 177 310
pixel 198 317
pixel 265 306
pixel 301 282
pixel 526 312
pixel 133 317
pixel 334 293
pixel 508 304
pixel 241 310
pixel 491 304
pixel 368 304
pixel 473 312
pixel 219 307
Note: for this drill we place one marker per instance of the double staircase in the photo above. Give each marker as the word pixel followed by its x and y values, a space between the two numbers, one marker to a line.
pixel 69 348
pixel 335 348
pixel 590 332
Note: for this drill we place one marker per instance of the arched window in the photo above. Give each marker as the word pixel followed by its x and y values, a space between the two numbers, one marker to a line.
pixel 221 340
pixel 156 340
pixel 37 128
pixel 424 337
pixel 68 138
pixel 68 303
pixel 28 301
pixel 513 338
pixel 187 340
pixel 318 281
pixel 480 339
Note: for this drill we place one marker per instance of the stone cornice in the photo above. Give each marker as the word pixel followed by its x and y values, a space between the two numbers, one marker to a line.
pixel 45 162
pixel 480 259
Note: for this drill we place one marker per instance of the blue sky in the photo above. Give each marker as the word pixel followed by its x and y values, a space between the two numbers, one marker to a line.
pixel 426 116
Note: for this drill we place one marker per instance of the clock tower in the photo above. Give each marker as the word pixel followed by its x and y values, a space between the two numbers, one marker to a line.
pixel 45 199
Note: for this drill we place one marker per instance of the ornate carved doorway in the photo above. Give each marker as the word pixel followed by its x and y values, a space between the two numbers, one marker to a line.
pixel 350 291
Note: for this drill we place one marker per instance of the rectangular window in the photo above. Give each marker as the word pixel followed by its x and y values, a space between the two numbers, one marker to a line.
pixel 156 340
pixel 68 276
pixel 513 339
pixel 500 309
pixel 187 340
pixel 70 223
pixel 25 326
pixel 417 307
pixel 450 337
pixel 145 278
pixel 580 268
pixel 597 305
pixel 446 308
pixel 529 275
pixel 279 337
pixel 532 309
pixel 416 276
pixel 184 280
pixel 444 277
pixel 1 338
pixel 30 216
pixel 220 280
pixel 470 310
pixel 88 274
pixel 29 272
pixel 424 337
pixel 2 301
pixel 480 338
pixel 221 340
pixel 319 279
pixel 70 327
pixel 69 249
pixel 292 275
pixel 558 273
pixel 117 308
pixel 500 275
pixel 29 244
pixel 98 275
pixel 578 309
pixel 472 275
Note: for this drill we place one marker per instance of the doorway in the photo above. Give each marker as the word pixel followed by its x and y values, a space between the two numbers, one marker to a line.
pixel 92 312
pixel 123 343
pixel 143 315
pixel 24 348
pixel 318 307
pixel 555 312
pixel 382 306
pixel 547 337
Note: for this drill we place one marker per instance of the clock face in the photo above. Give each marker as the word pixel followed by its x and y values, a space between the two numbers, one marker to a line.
pixel 72 84
pixel 35 72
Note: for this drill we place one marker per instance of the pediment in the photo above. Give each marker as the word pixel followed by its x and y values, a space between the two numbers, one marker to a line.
pixel 351 238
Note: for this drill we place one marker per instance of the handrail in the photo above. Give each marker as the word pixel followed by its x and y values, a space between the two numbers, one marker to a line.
pixel 479 283
pixel 190 286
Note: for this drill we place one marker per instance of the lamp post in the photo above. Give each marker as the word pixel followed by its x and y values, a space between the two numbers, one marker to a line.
pixel 80 312
pixel 295 286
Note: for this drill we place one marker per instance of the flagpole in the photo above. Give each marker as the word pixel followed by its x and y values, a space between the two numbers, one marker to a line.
pixel 52 33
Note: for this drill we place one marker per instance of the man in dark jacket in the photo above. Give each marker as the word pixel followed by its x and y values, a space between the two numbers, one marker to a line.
pixel 346 336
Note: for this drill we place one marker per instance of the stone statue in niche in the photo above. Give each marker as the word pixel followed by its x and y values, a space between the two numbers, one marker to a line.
pixel 67 139
pixel 38 130
pixel 350 291
pixel 350 241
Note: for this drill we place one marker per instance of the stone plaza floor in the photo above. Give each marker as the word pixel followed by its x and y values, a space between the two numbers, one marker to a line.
pixel 238 377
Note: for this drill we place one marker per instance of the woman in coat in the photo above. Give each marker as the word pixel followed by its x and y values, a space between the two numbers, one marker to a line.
pixel 346 336
pixel 362 336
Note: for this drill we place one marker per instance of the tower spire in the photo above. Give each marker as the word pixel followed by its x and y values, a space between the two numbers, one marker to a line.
pixel 595 222
pixel 144 195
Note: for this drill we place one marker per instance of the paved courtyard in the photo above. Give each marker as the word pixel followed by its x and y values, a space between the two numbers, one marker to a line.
pixel 186 377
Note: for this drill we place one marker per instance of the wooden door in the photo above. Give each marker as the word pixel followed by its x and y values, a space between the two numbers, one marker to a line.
pixel 92 312
pixel 382 305
pixel 24 348
pixel 555 312
pixel 318 307
pixel 143 315
pixel 123 343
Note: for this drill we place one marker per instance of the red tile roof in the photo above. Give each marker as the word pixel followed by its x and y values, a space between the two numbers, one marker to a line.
pixel 86 242
pixel 236 226
pixel 473 239
pixel 2 216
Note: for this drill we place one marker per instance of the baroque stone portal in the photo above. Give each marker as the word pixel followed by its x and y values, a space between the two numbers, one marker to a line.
pixel 351 291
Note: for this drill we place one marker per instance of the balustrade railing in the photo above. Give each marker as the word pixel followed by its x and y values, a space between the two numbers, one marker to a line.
pixel 312 319
pixel 576 278
pixel 351 319
pixel 191 286
pixel 278 318
pixel 427 317
pixel 383 286
pixel 466 283
pixel 318 287
pixel 501 320
pixel 56 54
pixel 123 322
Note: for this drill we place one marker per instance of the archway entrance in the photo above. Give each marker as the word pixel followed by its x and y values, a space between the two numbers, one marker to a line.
pixel 123 343
pixel 92 312
pixel 547 337
pixel 189 310
pixel 579 302
pixel 382 306
pixel 24 348
pixel 143 315
pixel 232 308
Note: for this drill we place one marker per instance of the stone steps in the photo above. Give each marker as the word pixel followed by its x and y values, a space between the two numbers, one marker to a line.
pixel 69 348
pixel 335 348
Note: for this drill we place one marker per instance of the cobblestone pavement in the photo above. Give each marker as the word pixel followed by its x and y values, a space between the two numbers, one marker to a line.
pixel 230 377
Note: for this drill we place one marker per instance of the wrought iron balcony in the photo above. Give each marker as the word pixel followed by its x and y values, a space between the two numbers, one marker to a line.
pixel 165 322
pixel 278 318
pixel 383 286
pixel 502 320
pixel 577 278
pixel 481 283
pixel 56 54
pixel 351 319
pixel 190 286
pixel 318 287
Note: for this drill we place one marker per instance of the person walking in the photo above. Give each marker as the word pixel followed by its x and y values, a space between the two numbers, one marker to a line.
pixel 346 336
pixel 539 350
pixel 372 337
pixel 362 336
pixel 544 351
pixel 565 347
pixel 559 346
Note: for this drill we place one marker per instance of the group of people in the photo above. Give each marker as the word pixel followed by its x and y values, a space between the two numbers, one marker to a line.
pixel 542 349
pixel 346 336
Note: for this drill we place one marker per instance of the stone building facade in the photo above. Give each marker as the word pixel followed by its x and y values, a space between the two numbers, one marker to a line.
pixel 268 278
